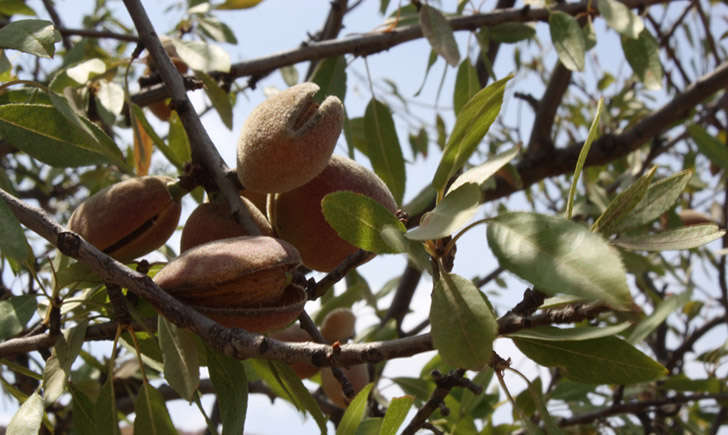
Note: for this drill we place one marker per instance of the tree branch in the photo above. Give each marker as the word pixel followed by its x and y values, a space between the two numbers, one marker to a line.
pixel 540 141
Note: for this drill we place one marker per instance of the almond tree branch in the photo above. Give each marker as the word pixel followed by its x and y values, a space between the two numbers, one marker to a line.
pixel 540 141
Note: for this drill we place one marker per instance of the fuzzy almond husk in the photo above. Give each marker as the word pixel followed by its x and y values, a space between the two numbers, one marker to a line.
pixel 358 375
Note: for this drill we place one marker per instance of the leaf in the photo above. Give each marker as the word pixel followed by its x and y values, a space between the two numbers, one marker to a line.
pixel 709 145
pixel 681 238
pixel 396 413
pixel 105 409
pixel 58 366
pixel 354 412
pixel 15 313
pixel 44 133
pixel 238 4
pixel 16 7
pixel 37 37
pixel 418 388
pixel 111 96
pixel 330 75
pixel 83 411
pixel 178 152
pixel 231 385
pixel 179 349
pixel 620 18
pixel 568 40
pixel 299 394
pixel 289 74
pixel 219 98
pixel 606 360
pixel 28 419
pixel 666 307
pixel 394 237
pixel 510 33
pixel 621 206
pixel 452 213
pixel 359 220
pixel 217 30
pixel 152 416
pixel 591 137
pixel 577 333
pixel 173 156
pixel 559 256
pixel 643 56
pixel 471 125
pixel 143 147
pixel 383 147
pixel 466 85
pixel 480 174
pixel 439 34
pixel 660 197
pixel 201 56
pixel 463 326
pixel 84 70
pixel 12 243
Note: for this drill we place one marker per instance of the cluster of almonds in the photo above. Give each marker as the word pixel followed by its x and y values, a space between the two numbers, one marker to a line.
pixel 285 164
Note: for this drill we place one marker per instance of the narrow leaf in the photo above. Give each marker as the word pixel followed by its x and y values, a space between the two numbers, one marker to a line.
pixel 620 18
pixel 709 145
pixel 559 256
pixel 231 385
pixel 330 75
pixel 644 58
pixel 463 326
pixel 152 416
pixel 621 206
pixel 439 34
pixel 58 367
pixel 680 238
pixel 606 360
pixel 579 333
pixel 480 174
pixel 36 37
pixel 510 33
pixel 29 417
pixel 591 137
pixel 359 220
pixel 666 307
pixel 12 241
pixel 383 147
pixel 452 213
pixel 15 312
pixel 105 410
pixel 471 125
pixel 396 413
pixel 181 366
pixel 219 98
pixel 298 392
pixel 178 152
pixel 143 147
pixel 174 156
pixel 354 412
pixel 83 413
pixel 568 40
pixel 466 85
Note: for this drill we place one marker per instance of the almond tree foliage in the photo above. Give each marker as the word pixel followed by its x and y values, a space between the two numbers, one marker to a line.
pixel 604 211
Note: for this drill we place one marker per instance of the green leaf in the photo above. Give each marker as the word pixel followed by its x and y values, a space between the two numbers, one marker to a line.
pixel 621 206
pixel 152 416
pixel 105 409
pixel 395 238
pixel 15 313
pixel 480 174
pixel 289 74
pixel 606 360
pixel 12 241
pixel 217 30
pixel 620 18
pixel 666 307
pixel 681 238
pixel 354 412
pixel 16 7
pixel 201 56
pixel 179 349
pixel 231 385
pixel 178 152
pixel 396 413
pixel 466 85
pixel 591 136
pixel 418 388
pixel 452 213
pixel 511 32
pixel 111 96
pixel 29 417
pixel 660 197
pixel 439 34
pixel 463 326
pixel 471 125
pixel 58 366
pixel 709 145
pixel 174 156
pixel 644 57
pixel 359 220
pixel 83 412
pixel 578 333
pixel 383 147
pixel 83 71
pixel 37 37
pixel 45 134
pixel 63 106
pixel 299 394
pixel 568 40
pixel 330 75
pixel 219 98
pixel 559 256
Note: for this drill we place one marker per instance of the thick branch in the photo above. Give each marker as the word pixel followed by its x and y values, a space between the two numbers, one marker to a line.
pixel 540 140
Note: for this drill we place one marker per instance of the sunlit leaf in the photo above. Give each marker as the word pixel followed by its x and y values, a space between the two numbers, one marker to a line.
pixel 383 147
pixel 644 58
pixel 83 71
pixel 439 34
pixel 354 413
pixel 36 37
pixel 579 333
pixel 143 147
pixel 591 136
pixel 111 96
pixel 238 4
pixel 396 413
pixel 481 173
pixel 452 213
pixel 568 40
pixel 201 56
pixel 619 17
pixel 681 238
pixel 28 418
pixel 181 366
pixel 219 98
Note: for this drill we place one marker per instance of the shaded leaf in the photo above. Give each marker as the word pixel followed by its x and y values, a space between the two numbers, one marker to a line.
pixel 359 220
pixel 578 333
pixel 559 256
pixel 152 416
pixel 37 37
pixel 644 58
pixel 418 388
pixel 621 206
pixel 463 326
pixel 666 307
pixel 290 74
pixel 439 34
pixel 591 136
pixel 179 350
pixel 231 385
pixel 173 156
pixel 709 145
pixel 83 411
pixel 58 366
pixel 396 413
pixel 480 174
pixel 383 147
pixel 354 412
pixel 607 360
pixel 511 32
pixel 680 238
pixel 15 313
pixel 466 85
pixel 330 75
pixel 471 125
pixel 28 418
pixel 568 40
pixel 219 98
pixel 13 244
pixel 452 213
pixel 619 17
pixel 217 30
pixel 105 409
pixel 419 143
